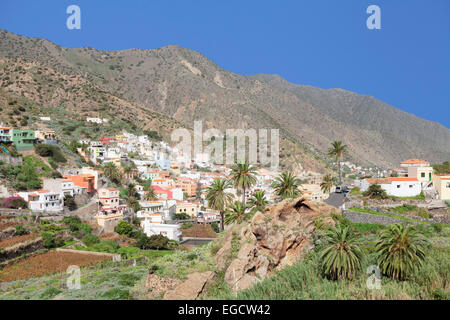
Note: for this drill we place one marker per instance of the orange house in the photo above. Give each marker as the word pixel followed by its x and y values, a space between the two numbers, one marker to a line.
pixel 83 180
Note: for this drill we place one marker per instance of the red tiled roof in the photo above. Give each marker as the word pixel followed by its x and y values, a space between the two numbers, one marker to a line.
pixel 392 179
pixel 378 181
pixel 414 161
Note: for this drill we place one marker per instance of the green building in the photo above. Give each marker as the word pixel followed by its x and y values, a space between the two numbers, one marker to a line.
pixel 23 139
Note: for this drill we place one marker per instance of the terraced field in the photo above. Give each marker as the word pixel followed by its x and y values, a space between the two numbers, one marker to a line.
pixel 17 239
pixel 47 263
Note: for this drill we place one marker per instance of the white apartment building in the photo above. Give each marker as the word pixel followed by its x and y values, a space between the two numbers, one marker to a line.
pixel 109 198
pixel 43 200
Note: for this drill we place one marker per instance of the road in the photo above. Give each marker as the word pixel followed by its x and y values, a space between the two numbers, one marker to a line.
pixel 335 199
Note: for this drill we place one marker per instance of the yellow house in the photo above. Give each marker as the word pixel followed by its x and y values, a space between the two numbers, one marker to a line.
pixel 188 208
pixel 175 167
pixel 441 184
pixel 313 192
pixel 163 183
pixel 423 174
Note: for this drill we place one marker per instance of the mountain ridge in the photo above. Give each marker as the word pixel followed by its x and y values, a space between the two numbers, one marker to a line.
pixel 186 86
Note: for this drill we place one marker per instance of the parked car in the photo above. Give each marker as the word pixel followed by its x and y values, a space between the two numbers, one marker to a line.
pixel 338 189
pixel 345 189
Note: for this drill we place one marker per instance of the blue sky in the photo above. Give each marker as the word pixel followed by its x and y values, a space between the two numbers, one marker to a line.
pixel 324 43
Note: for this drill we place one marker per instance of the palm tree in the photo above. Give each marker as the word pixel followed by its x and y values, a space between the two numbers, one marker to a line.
pixel 112 173
pixel 131 191
pixel 326 184
pixel 337 150
pixel 258 201
pixel 150 194
pixel 376 192
pixel 341 257
pixel 218 198
pixel 286 185
pixel 243 176
pixel 236 212
pixel 401 251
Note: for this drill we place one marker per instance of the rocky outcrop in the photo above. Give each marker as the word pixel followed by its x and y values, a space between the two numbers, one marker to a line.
pixel 157 286
pixel 273 239
pixel 191 288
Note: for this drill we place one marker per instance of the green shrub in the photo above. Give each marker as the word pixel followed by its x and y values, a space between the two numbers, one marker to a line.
pixel 72 220
pixel 187 225
pixel 153 242
pixel 49 241
pixel 20 230
pixel 69 202
pixel 108 246
pixel 215 227
pixel 437 227
pixel 116 294
pixel 123 228
pixel 49 293
pixel 51 151
pixel 90 239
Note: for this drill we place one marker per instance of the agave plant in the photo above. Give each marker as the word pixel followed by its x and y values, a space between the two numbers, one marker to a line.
pixel 401 251
pixel 341 256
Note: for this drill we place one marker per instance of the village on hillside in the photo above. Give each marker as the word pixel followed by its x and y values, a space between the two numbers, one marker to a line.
pixel 128 192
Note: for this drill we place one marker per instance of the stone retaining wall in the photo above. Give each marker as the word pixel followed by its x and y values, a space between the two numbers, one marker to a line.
pixel 114 257
pixel 361 217
pixel 21 248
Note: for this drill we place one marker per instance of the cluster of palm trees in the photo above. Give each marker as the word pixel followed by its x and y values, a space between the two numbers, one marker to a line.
pixel 243 177
pixel 400 252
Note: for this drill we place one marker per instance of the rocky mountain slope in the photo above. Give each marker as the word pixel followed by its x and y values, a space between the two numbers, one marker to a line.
pixel 184 85
pixel 252 251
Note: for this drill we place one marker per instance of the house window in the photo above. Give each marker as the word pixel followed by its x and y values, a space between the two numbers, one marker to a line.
pixel 422 174
pixel 410 186
pixel 448 184
pixel 398 186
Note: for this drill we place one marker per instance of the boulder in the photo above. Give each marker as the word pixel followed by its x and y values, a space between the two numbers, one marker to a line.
pixel 191 288
pixel 273 239
pixel 157 286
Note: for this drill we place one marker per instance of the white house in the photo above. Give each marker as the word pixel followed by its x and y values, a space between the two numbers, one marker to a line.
pixel 403 187
pixel 394 186
pixel 171 231
pixel 177 194
pixel 63 187
pixel 43 200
